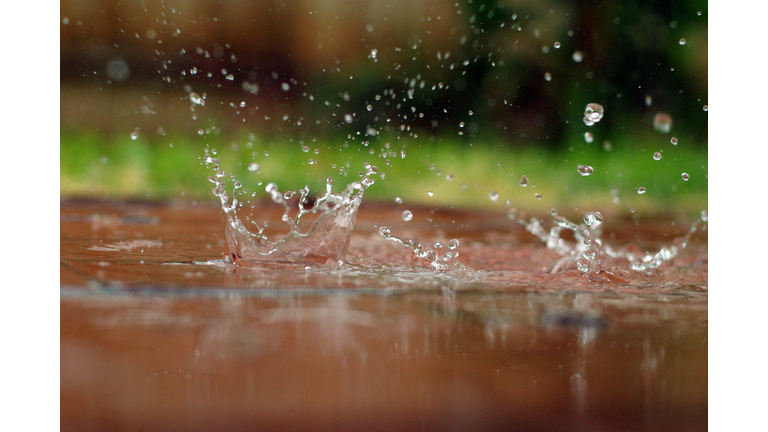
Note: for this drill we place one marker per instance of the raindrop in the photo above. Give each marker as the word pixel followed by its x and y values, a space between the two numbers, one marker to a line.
pixel 593 219
pixel 347 118
pixel 398 200
pixel 640 190
pixel 453 244
pixel 196 99
pixel 578 56
pixel 537 195
pixel 657 156
pixel 384 231
pixel 673 141
pixel 548 76
pixel 593 113
pixel 682 41
pixel 648 100
pixel 662 122
pixel 253 167
pixel 407 215
pixel 118 70
pixel 557 45
pixel 588 137
pixel 705 108
pixel 285 87
pixel 524 181
pixel 430 193
pixel 494 196
pixel 685 176
pixel 135 134
pixel 585 170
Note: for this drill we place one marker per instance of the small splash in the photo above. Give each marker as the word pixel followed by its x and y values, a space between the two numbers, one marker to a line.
pixel 324 241
pixel 444 262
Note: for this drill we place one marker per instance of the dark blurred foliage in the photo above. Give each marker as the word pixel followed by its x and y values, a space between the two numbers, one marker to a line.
pixel 474 68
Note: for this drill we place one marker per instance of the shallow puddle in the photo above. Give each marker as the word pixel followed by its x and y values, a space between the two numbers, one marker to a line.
pixel 158 332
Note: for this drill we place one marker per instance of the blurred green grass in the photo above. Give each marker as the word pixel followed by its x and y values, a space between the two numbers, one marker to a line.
pixel 169 167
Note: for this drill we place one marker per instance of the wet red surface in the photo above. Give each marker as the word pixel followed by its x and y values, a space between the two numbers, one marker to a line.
pixel 157 335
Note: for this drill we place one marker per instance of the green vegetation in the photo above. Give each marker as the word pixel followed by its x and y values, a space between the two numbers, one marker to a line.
pixel 168 167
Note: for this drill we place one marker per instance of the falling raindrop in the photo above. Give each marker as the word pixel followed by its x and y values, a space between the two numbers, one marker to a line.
pixel 253 167
pixel 673 141
pixel 585 170
pixel 548 76
pixel 557 45
pixel 685 176
pixel 657 156
pixel 135 134
pixel 705 108
pixel 196 99
pixel 537 195
pixel 494 196
pixel 524 181
pixel 640 190
pixel 578 56
pixel 588 137
pixel 662 122
pixel 682 41
pixel 407 215
pixel 593 113
pixel 453 244
pixel 398 200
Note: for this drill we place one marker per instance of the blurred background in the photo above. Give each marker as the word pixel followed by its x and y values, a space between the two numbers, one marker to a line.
pixel 453 101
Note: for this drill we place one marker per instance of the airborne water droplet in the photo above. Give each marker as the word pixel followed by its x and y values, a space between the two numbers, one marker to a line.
pixel 524 181
pixel 682 41
pixel 641 190
pixel 494 196
pixel 407 215
pixel 578 56
pixel 196 99
pixel 673 141
pixel 593 218
pixel 588 137
pixel 548 76
pixel 253 167
pixel 135 135
pixel 593 113
pixel 657 156
pixel 585 170
pixel 685 176
pixel 662 122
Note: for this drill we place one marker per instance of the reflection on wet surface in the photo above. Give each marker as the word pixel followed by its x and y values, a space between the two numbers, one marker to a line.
pixel 158 333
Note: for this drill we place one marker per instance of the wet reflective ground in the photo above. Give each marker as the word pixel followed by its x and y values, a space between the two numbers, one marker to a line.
pixel 158 334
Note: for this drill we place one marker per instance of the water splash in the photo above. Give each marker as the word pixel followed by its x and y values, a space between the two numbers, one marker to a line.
pixel 322 241
pixel 590 256
pixel 444 262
